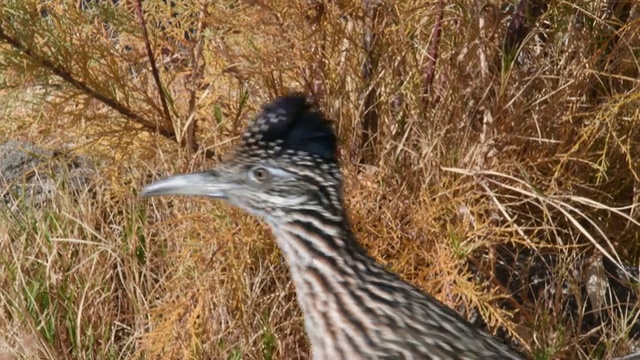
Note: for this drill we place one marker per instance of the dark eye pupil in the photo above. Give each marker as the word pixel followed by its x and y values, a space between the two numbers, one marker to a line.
pixel 260 174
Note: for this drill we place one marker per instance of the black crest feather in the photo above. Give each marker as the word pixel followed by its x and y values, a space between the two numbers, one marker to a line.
pixel 293 123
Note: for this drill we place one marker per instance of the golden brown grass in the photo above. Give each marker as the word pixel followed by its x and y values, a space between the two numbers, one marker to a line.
pixel 542 156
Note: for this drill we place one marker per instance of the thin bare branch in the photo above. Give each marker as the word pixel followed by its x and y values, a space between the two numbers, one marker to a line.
pixel 432 53
pixel 68 77
pixel 152 60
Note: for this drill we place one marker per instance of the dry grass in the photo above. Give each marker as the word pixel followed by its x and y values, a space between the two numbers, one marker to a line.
pixel 540 156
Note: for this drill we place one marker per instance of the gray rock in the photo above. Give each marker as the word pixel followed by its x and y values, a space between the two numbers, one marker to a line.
pixel 31 176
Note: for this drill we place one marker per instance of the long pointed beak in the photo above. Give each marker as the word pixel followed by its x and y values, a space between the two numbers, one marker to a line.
pixel 206 183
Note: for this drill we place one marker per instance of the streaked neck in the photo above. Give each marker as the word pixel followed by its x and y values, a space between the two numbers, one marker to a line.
pixel 325 262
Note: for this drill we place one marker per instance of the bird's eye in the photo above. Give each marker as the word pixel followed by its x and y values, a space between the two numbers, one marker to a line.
pixel 261 174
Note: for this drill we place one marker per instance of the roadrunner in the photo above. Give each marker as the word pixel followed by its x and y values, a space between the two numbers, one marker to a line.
pixel 285 171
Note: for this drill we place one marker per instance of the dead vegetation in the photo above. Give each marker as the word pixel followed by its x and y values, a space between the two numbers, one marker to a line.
pixel 476 139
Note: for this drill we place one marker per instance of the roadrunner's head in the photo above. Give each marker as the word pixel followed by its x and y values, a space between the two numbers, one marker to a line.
pixel 286 162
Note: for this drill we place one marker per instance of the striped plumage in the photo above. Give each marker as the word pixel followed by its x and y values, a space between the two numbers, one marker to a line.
pixel 285 171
